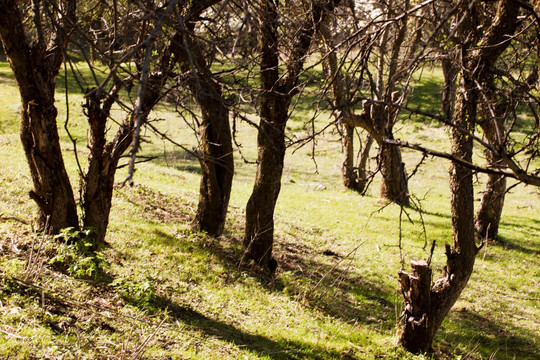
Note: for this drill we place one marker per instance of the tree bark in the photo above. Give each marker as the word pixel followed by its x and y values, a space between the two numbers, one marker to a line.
pixel 394 183
pixel 217 162
pixel 450 73
pixel 259 236
pixel 421 323
pixel 277 92
pixel 35 67
pixel 98 183
pixel 489 212
pixel 216 150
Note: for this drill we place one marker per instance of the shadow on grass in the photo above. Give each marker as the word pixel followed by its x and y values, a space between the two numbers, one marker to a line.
pixel 331 285
pixel 305 276
pixel 489 338
pixel 179 159
pixel 258 344
pixel 509 244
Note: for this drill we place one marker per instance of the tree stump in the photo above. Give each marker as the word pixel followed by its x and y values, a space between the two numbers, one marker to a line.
pixel 416 289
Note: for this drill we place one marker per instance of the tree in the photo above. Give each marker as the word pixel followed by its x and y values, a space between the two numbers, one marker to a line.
pixel 277 91
pixel 354 177
pixel 427 305
pixel 35 64
pixel 35 56
pixel 216 151
pixel 389 47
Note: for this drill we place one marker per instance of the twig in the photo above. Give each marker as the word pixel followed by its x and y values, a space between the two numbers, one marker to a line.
pixel 148 338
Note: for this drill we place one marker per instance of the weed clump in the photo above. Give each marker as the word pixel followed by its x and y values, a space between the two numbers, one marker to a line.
pixel 78 254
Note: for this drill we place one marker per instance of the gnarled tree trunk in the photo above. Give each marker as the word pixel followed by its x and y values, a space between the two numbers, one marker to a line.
pixel 216 150
pixel 490 209
pixel 35 66
pixel 98 184
pixel 217 162
pixel 277 92
pixel 423 315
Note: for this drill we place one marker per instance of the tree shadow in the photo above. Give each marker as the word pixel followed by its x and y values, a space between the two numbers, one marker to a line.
pixel 261 345
pixel 305 277
pixel 509 244
pixel 491 339
pixel 178 159
pixel 327 281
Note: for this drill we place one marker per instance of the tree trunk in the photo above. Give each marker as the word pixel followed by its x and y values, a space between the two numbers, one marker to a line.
pixel 217 162
pixel 35 68
pixel 216 150
pixel 98 182
pixel 450 73
pixel 394 183
pixel 489 212
pixel 363 164
pixel 424 314
pixel 259 237
pixel 277 92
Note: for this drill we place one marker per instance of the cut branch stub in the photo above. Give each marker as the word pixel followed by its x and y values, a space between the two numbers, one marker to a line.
pixel 416 289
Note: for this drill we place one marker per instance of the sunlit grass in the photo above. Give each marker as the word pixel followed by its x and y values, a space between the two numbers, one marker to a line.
pixel 335 294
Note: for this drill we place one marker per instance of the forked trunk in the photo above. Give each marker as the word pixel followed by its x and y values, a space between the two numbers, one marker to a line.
pixel 98 184
pixel 425 310
pixel 277 92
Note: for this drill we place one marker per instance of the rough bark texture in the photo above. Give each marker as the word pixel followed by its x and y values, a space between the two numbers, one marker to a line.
pixel 490 209
pixel 275 100
pixel 98 184
pixel 35 66
pixel 216 150
pixel 416 289
pixel 217 162
pixel 259 237
pixel 448 94
pixel 460 257
pixel 394 183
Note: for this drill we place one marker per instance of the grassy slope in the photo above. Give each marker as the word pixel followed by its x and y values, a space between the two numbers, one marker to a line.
pixel 179 294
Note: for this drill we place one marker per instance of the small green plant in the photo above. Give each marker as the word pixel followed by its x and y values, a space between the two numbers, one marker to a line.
pixel 139 294
pixel 78 253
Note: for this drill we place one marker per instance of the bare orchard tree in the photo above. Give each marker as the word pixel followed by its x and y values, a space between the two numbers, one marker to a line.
pixel 354 175
pixel 36 64
pixel 277 90
pixel 389 40
pixel 216 151
pixel 34 44
pixel 427 305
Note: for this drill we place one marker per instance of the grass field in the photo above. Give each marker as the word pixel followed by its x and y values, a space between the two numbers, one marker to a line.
pixel 171 293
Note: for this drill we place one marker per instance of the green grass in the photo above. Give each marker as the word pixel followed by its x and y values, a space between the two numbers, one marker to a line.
pixel 175 293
